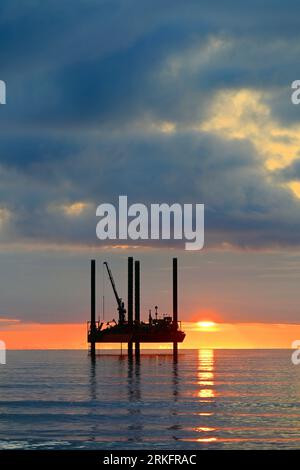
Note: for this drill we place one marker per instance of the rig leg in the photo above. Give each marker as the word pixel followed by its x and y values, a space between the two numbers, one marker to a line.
pixel 130 348
pixel 137 349
pixel 175 350
pixel 93 308
pixel 93 350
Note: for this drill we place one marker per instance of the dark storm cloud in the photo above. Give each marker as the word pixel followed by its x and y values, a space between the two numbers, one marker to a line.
pixel 83 75
pixel 98 62
pixel 289 173
pixel 242 207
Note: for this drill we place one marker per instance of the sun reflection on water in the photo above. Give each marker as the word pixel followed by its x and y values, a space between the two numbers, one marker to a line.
pixel 207 439
pixel 206 373
pixel 206 392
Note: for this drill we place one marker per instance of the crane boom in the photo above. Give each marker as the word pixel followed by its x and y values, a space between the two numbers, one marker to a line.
pixel 121 307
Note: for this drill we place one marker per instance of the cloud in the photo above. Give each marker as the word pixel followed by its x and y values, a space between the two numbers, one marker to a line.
pixel 163 103
pixel 97 66
pixel 55 201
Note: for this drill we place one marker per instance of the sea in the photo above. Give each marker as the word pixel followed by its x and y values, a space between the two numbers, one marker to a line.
pixel 207 399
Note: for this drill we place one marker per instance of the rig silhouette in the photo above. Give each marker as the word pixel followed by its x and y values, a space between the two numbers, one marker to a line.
pixel 132 330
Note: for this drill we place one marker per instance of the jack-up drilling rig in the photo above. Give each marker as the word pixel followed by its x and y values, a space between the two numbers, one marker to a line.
pixel 157 330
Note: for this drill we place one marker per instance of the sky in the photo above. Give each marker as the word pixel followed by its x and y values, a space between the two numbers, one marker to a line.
pixel 170 101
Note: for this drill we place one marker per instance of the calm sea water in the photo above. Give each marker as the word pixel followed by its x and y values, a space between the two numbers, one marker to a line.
pixel 209 399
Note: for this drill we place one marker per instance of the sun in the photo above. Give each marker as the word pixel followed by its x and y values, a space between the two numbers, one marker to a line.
pixel 206 325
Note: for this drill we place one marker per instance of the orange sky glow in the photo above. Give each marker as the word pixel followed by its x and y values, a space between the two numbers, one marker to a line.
pixel 202 334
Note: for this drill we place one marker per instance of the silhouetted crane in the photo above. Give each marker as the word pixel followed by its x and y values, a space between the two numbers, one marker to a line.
pixel 121 305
